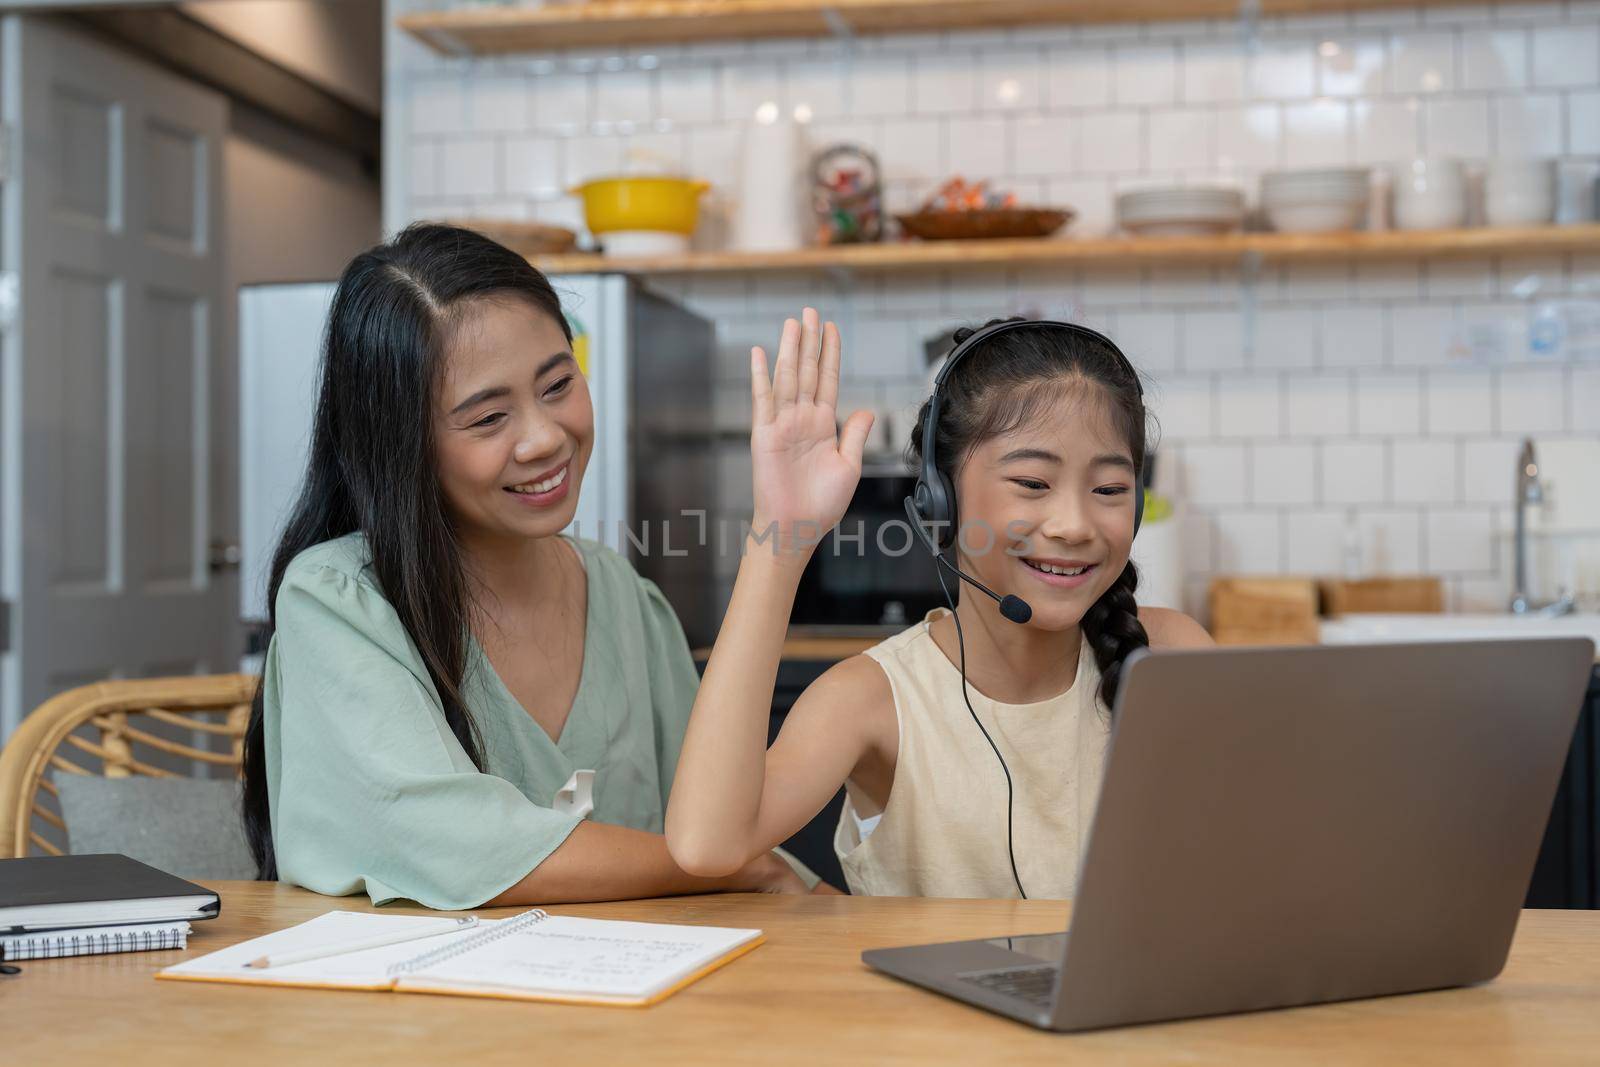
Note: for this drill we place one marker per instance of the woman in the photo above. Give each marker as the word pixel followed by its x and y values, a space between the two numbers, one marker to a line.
pixel 442 659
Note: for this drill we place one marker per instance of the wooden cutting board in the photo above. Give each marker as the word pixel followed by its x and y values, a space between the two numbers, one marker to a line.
pixel 1412 595
pixel 1264 611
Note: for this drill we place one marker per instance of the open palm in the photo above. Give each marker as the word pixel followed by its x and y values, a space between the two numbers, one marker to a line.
pixel 805 467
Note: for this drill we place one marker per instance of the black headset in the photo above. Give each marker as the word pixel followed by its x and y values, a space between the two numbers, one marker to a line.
pixel 933 500
pixel 932 503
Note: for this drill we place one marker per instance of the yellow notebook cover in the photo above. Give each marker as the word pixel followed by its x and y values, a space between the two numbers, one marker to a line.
pixel 532 956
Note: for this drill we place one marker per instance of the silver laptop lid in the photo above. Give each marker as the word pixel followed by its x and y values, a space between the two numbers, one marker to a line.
pixel 1289 826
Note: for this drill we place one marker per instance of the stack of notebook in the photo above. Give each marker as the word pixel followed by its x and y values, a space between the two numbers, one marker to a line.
pixel 54 906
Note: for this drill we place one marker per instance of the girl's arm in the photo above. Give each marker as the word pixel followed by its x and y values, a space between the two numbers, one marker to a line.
pixel 599 861
pixel 805 471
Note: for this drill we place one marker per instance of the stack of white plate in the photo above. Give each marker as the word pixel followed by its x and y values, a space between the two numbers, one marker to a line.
pixel 1316 201
pixel 1180 211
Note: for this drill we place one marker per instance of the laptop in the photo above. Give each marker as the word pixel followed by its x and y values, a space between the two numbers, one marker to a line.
pixel 1288 826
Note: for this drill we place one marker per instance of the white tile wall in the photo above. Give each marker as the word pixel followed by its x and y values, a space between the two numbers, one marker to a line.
pixel 1424 472
pixel 1391 541
pixel 1211 72
pixel 1185 408
pixel 1215 474
pixel 1386 130
pixel 1583 123
pixel 1317 134
pixel 1248 543
pixel 1388 403
pixel 1586 400
pixel 1487 468
pixel 1350 66
pixel 1494 60
pixel 1181 140
pixel 1387 396
pixel 1287 337
pixel 1251 406
pixel 1457 127
pixel 1078 78
pixel 1532 401
pixel 1528 125
pixel 1318 405
pixel 1566 56
pixel 1461 539
pixel 1353 472
pixel 1315 541
pixel 1145 74
pixel 1460 402
pixel 1283 473
pixel 1422 63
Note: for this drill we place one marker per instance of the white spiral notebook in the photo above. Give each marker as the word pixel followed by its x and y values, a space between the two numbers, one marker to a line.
pixel 533 956
pixel 93 941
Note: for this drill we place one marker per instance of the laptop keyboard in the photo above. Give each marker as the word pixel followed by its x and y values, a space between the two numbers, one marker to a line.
pixel 1036 985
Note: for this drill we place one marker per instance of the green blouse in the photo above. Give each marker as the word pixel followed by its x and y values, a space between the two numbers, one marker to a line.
pixel 371 791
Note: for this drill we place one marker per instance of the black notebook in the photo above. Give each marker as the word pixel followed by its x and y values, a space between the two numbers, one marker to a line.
pixel 72 892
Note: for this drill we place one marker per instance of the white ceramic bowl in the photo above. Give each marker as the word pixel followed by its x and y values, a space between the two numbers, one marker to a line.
pixel 1180 227
pixel 645 243
pixel 1317 217
pixel 1180 211
pixel 1433 211
pixel 1297 181
pixel 1430 175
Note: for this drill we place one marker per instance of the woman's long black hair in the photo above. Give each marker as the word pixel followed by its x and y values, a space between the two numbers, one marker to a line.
pixel 372 464
pixel 995 389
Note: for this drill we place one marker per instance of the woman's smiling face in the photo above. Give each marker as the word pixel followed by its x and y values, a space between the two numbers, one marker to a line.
pixel 1047 508
pixel 513 423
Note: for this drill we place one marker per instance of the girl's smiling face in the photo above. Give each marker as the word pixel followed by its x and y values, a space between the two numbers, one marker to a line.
pixel 1047 508
pixel 513 423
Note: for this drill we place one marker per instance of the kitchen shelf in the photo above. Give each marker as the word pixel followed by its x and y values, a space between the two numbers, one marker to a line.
pixel 481 30
pixel 1240 247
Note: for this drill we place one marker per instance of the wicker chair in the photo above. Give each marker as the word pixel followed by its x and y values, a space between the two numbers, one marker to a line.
pixel 158 727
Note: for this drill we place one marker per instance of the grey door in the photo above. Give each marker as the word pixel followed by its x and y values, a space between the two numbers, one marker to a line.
pixel 112 221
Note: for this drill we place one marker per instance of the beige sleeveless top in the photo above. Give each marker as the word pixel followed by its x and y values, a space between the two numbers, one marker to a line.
pixel 943 832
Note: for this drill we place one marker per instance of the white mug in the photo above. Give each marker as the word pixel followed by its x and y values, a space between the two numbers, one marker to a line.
pixel 1520 192
pixel 1430 194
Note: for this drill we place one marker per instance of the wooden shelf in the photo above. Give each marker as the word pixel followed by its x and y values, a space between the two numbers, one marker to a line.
pixel 618 23
pixel 1269 247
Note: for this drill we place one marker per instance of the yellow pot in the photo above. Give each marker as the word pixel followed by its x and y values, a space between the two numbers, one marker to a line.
pixel 614 204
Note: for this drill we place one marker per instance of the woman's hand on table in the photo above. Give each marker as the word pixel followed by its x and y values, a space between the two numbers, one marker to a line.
pixel 768 873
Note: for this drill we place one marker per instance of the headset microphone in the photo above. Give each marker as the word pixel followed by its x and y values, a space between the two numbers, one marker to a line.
pixel 1012 607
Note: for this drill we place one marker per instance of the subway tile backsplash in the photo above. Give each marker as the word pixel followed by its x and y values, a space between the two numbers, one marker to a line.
pixel 1295 402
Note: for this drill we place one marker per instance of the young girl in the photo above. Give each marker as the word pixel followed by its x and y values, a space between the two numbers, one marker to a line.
pixel 442 661
pixel 1041 432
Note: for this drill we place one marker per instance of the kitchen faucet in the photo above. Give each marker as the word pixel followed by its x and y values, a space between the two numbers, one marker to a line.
pixel 1529 491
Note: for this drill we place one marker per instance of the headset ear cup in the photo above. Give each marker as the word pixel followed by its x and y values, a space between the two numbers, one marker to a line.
pixel 942 513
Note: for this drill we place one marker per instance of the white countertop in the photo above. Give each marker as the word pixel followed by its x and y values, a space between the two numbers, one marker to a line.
pixel 1366 629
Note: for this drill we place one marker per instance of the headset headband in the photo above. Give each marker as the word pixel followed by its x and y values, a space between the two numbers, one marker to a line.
pixel 930 428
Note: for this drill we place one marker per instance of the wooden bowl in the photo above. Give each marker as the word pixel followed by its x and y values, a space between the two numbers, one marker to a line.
pixel 524 238
pixel 990 223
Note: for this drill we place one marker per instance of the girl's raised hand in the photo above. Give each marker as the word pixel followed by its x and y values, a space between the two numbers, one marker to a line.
pixel 805 467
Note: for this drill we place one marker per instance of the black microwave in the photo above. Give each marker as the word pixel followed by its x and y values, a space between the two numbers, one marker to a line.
pixel 870 573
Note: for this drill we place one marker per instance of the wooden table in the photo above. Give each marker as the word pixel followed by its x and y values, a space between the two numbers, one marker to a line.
pixel 802 998
pixel 816 648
